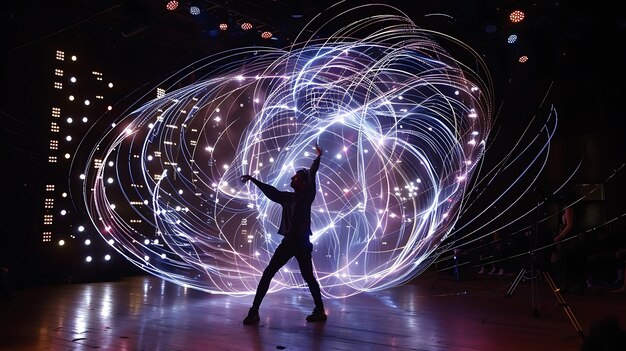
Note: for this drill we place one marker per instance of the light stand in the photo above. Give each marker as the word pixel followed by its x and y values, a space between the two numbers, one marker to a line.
pixel 532 272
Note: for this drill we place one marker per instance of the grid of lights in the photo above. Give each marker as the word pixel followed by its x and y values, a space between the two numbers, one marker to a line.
pixel 266 35
pixel 516 16
pixel 57 202
pixel 172 5
pixel 246 26
pixel 523 59
pixel 194 10
pixel 511 39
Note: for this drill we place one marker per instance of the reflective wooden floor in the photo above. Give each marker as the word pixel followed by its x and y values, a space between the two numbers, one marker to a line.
pixel 435 312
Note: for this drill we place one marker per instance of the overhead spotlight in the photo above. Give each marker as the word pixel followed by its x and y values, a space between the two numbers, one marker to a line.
pixel 223 26
pixel 172 5
pixel 266 35
pixel 523 59
pixel 516 16
pixel 511 39
pixel 194 10
pixel 246 26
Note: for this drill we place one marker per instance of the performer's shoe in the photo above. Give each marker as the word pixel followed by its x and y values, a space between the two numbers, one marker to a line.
pixel 318 315
pixel 252 317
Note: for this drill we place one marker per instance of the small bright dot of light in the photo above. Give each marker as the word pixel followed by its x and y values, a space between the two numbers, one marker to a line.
pixel 73 79
pixel 71 97
pixel 110 85
pixel 111 163
pixel 87 102
pixel 85 119
pixel 87 242
pixel 61 242
pixel 111 242
pixel 107 257
pixel 64 195
pixel 74 58
pixel 109 107
pixel 88 259
pixel 63 212
pixel 82 176
pixel 150 157
pixel 67 156
pixel 69 120
pixel 68 138
pixel 147 241
pixel 81 228
pixel 112 206
pixel 110 180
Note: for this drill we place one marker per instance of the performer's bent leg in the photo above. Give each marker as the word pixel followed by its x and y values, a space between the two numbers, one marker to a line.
pixel 279 259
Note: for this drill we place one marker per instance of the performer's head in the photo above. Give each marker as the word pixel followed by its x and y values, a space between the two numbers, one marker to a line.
pixel 300 180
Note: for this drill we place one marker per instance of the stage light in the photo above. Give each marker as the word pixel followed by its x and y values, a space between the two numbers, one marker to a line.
pixel 172 5
pixel 516 16
pixel 266 35
pixel 107 257
pixel 110 85
pixel 71 97
pixel 523 59
pixel 82 176
pixel 84 119
pixel 109 107
pixel 69 120
pixel 194 10
pixel 511 39
pixel 110 180
pixel 246 26
pixel 61 242
pixel 67 156
pixel 87 242
pixel 223 26
pixel 68 138
pixel 73 79
pixel 64 194
pixel 87 102
pixel 81 228
pixel 88 258
pixel 63 212
pixel 111 163
pixel 74 58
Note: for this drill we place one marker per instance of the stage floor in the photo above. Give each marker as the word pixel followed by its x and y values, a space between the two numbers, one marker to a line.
pixel 434 312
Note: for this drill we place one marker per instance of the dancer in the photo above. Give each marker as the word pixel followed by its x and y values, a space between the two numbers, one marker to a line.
pixel 295 227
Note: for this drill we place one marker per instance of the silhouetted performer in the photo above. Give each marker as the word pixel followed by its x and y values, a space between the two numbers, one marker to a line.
pixel 295 227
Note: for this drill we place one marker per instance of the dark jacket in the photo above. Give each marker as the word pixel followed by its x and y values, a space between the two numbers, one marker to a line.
pixel 295 224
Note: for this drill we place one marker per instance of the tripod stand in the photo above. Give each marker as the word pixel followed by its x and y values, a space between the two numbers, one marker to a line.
pixel 531 272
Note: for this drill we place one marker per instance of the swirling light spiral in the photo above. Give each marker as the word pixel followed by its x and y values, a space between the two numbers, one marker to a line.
pixel 402 123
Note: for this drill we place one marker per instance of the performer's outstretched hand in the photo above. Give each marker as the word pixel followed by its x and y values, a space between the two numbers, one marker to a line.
pixel 246 177
pixel 319 150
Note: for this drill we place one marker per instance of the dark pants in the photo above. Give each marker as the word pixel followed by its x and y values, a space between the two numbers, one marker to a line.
pixel 284 252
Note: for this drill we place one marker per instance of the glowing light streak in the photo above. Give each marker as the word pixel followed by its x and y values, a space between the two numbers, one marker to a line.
pixel 391 110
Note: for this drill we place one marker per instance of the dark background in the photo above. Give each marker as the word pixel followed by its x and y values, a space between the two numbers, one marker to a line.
pixel 576 61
